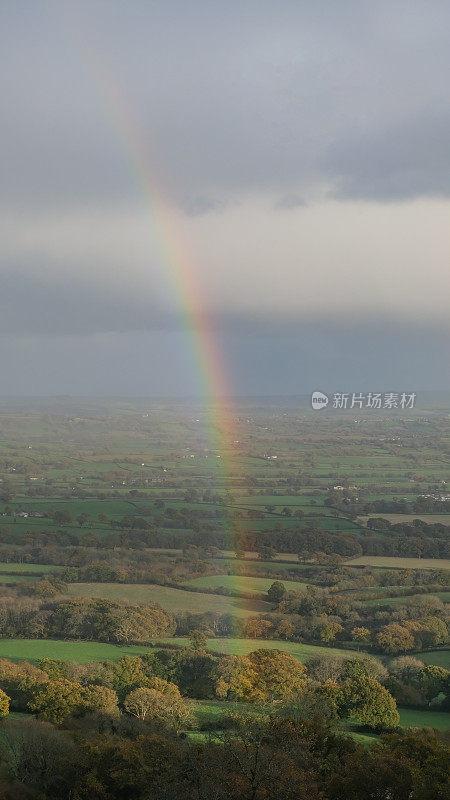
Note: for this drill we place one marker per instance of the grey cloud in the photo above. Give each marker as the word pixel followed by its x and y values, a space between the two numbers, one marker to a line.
pixel 290 201
pixel 35 302
pixel 199 205
pixel 228 99
pixel 403 161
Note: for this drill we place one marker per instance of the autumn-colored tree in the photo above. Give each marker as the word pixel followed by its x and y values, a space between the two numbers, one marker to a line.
pixel 54 668
pixel 330 630
pixel 371 776
pixel 257 628
pixel 162 703
pixel 395 638
pixel 128 673
pixel 100 698
pixel 276 592
pixel 55 700
pixel 361 634
pixel 45 588
pixel 433 681
pixel 197 640
pixel 434 631
pixel 236 679
pixel 285 629
pixel 368 702
pixel 19 682
pixel 279 676
pixel 4 704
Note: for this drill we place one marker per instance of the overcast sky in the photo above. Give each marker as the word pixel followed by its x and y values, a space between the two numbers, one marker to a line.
pixel 302 152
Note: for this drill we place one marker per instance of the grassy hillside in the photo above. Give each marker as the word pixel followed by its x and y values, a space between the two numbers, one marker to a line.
pixel 174 600
pixel 241 583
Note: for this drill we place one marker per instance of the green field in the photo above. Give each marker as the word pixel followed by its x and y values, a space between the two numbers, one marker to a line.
pixel 80 652
pixel 431 519
pixel 399 563
pixel 406 599
pixel 410 718
pixel 241 583
pixel 13 579
pixel 32 649
pixel 244 646
pixel 440 658
pixel 38 569
pixel 210 710
pixel 173 600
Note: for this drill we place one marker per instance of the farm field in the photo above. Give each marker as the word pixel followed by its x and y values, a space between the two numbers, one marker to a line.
pixel 410 718
pixel 174 600
pixel 399 563
pixel 432 519
pixel 131 501
pixel 28 569
pixel 406 599
pixel 13 579
pixel 241 583
pixel 440 658
pixel 243 647
pixel 210 710
pixel 80 652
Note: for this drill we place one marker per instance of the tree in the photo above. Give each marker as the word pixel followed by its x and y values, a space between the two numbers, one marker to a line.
pixel 197 640
pixel 361 634
pixel 375 775
pixel 276 592
pixel 330 630
pixel 369 703
pixel 235 679
pixel 265 552
pixel 62 516
pixel 162 703
pixel 285 629
pixel 44 588
pixel 257 628
pixel 4 704
pixel 279 676
pixel 127 673
pixel 57 699
pixel 38 758
pixel 436 628
pixel 395 638
pixel 100 698
pixel 433 681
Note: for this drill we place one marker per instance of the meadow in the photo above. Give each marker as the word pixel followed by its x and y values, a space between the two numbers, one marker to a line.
pixel 144 494
pixel 174 600
pixel 240 583
pixel 243 647
pixel 387 562
pixel 80 652
pixel 33 649
pixel 210 711
pixel 27 568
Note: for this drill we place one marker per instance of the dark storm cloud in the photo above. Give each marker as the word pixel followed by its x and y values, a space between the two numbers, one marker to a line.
pixel 260 121
pixel 408 159
pixel 231 98
pixel 34 302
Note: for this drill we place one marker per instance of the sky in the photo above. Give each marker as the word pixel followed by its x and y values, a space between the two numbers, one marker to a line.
pixel 288 160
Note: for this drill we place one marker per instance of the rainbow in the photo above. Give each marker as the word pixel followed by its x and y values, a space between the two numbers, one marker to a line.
pixel 203 351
